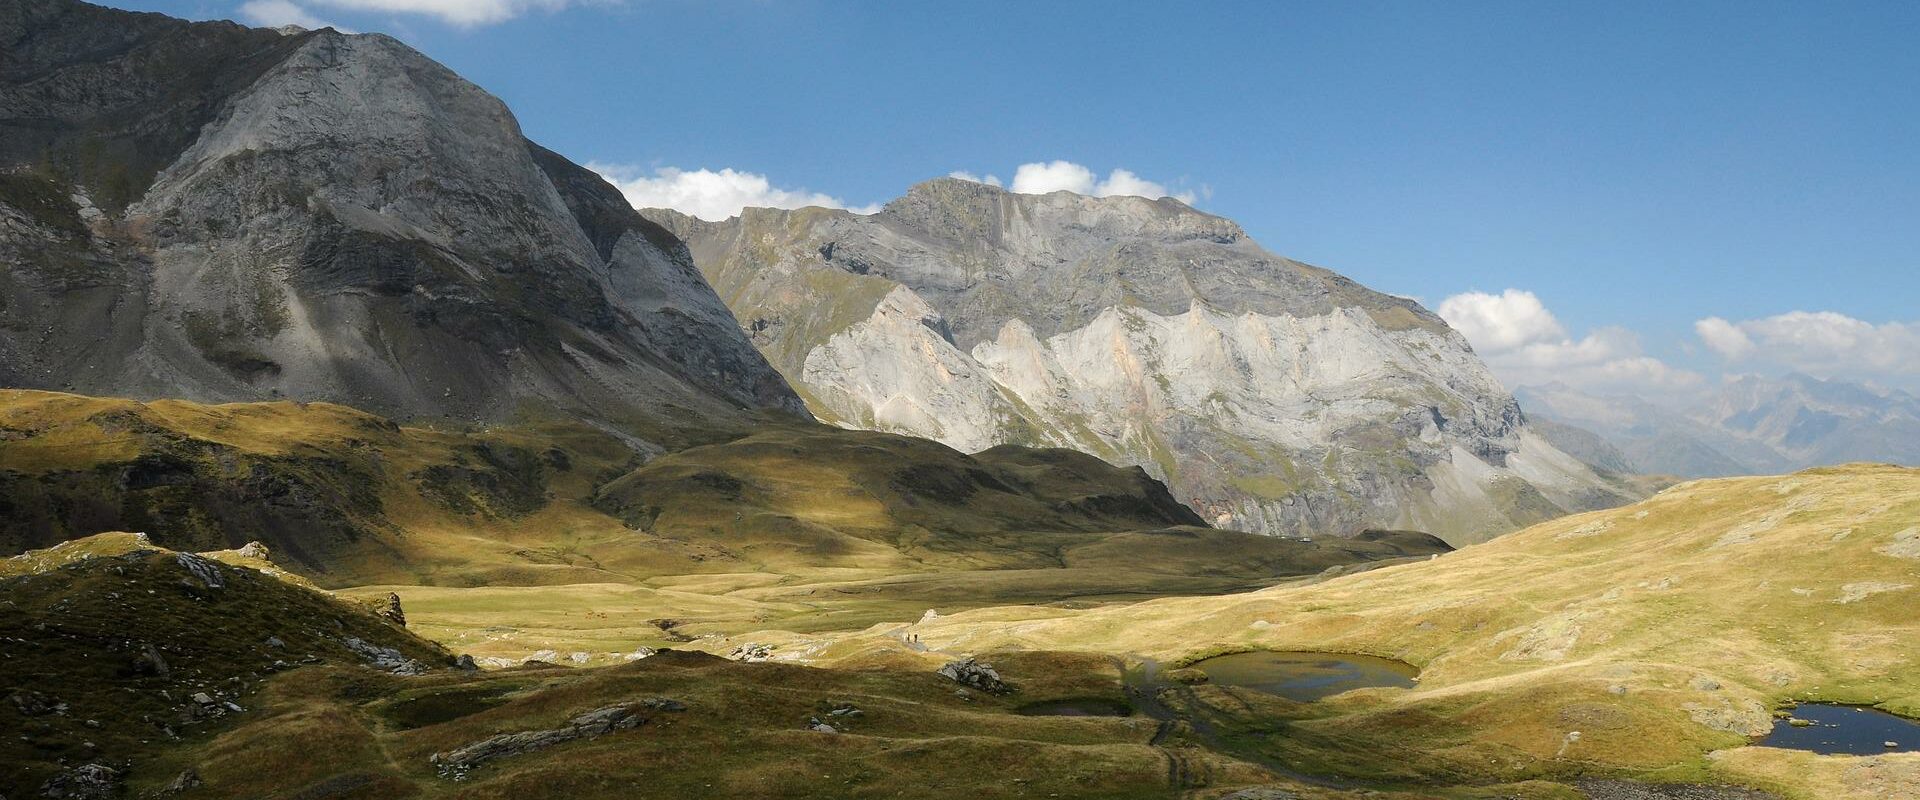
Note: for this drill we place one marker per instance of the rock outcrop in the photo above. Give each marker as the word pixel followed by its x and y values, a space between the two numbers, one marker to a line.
pixel 207 211
pixel 1270 395
pixel 455 764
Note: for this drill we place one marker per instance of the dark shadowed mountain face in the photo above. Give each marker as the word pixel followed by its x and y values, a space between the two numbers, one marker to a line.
pixel 1271 395
pixel 208 211
pixel 1750 425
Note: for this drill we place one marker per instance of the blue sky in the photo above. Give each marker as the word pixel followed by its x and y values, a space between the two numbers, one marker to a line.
pixel 1629 169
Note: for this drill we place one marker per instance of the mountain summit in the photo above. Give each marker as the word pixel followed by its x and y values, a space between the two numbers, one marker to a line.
pixel 213 212
pixel 1271 395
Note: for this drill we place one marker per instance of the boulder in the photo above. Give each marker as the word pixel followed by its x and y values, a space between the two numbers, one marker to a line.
pixel 202 569
pixel 187 779
pixel 969 672
pixel 392 612
pixel 84 782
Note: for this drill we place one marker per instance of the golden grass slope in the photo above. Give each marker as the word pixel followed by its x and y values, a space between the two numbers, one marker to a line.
pixel 1661 632
pixel 515 539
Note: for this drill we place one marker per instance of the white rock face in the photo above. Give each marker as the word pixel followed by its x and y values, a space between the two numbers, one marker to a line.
pixel 1270 395
pixel 895 372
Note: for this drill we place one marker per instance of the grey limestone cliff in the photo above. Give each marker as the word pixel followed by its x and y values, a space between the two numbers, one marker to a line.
pixel 1271 395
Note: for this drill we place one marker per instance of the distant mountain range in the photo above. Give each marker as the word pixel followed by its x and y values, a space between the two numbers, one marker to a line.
pixel 1270 395
pixel 1749 425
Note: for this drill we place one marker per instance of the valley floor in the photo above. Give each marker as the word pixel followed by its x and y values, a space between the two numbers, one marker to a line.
pixel 1593 656
pixel 1626 654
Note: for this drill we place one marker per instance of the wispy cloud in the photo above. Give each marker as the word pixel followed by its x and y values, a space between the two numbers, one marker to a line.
pixel 463 13
pixel 988 179
pixel 1524 343
pixel 712 195
pixel 1821 343
pixel 1042 177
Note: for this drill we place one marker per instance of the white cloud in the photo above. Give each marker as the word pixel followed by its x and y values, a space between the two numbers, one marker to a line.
pixel 277 13
pixel 711 195
pixel 465 13
pixel 1724 338
pixel 1501 322
pixel 1122 182
pixel 1053 176
pixel 1041 177
pixel 1524 344
pixel 1822 343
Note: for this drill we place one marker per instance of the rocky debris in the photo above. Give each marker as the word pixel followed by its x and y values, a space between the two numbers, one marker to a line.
pixel 149 661
pixel 639 653
pixel 838 717
pixel 751 652
pixel 1635 790
pixel 392 612
pixel 84 782
pixel 1260 793
pixel 33 704
pixel 455 764
pixel 1856 592
pixel 969 672
pixel 202 569
pixel 1905 544
pixel 187 779
pixel 385 658
pixel 1747 719
pixel 255 550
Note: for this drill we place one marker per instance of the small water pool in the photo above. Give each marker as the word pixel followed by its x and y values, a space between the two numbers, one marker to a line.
pixel 1847 730
pixel 1305 677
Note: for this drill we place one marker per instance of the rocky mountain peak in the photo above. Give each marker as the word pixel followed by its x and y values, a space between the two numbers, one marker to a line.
pixel 943 202
pixel 1271 395
pixel 335 217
